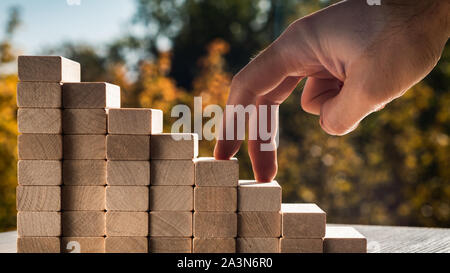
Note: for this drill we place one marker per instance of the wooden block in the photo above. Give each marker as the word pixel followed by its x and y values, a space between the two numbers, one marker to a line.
pixel 91 95
pixel 303 221
pixel 215 199
pixel 128 147
pixel 128 173
pixel 39 172
pixel 259 224
pixel 83 244
pixel 174 146
pixel 40 147
pixel 301 245
pixel 38 224
pixel 82 198
pixel 171 198
pixel 170 224
pixel 214 245
pixel 215 224
pixel 214 173
pixel 135 121
pixel 126 245
pixel 38 245
pixel 254 196
pixel 38 198
pixel 170 245
pixel 126 224
pixel 344 240
pixel 258 245
pixel 39 121
pixel 39 95
pixel 172 172
pixel 48 69
pixel 83 223
pixel 85 147
pixel 127 198
pixel 84 122
pixel 84 172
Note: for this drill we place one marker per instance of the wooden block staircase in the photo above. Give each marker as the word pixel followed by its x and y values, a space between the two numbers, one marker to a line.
pixel 97 178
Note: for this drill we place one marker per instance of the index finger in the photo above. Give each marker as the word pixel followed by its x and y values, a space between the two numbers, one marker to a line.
pixel 257 79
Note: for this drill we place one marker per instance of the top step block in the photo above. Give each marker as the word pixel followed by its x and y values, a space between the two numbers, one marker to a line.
pixel 48 69
pixel 91 95
pixel 135 121
pixel 216 173
pixel 302 221
pixel 344 240
pixel 256 196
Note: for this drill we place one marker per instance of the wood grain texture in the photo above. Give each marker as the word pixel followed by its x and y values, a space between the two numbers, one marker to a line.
pixel 127 198
pixel 84 121
pixel 85 147
pixel 83 245
pixel 128 173
pixel 215 199
pixel 39 172
pixel 258 245
pixel 38 245
pixel 215 224
pixel 170 224
pixel 171 198
pixel 39 95
pixel 254 196
pixel 128 147
pixel 380 239
pixel 214 245
pixel 84 172
pixel 83 223
pixel 170 245
pixel 388 239
pixel 38 224
pixel 126 224
pixel 259 224
pixel 38 198
pixel 303 221
pixel 83 198
pixel 297 245
pixel 92 95
pixel 214 173
pixel 48 69
pixel 174 146
pixel 344 240
pixel 39 121
pixel 126 245
pixel 40 147
pixel 135 121
pixel 172 172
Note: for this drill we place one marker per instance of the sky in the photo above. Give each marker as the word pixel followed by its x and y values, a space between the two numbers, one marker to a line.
pixel 47 23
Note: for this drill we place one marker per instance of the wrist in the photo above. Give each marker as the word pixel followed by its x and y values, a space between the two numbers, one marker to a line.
pixel 432 15
pixel 439 17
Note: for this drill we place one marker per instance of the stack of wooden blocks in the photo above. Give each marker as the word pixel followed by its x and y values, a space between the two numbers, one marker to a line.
pixel 215 203
pixel 259 217
pixel 84 163
pixel 172 192
pixel 128 178
pixel 95 178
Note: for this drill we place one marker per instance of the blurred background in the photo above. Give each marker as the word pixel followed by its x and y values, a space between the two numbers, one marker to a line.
pixel 393 170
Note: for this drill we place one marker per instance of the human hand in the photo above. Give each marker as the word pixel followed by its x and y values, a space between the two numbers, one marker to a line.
pixel 357 58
